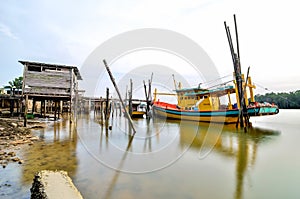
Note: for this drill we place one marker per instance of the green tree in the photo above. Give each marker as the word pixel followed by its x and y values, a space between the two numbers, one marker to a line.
pixel 289 100
pixel 17 83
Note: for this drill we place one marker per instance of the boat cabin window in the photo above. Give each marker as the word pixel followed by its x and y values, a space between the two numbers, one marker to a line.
pixel 205 96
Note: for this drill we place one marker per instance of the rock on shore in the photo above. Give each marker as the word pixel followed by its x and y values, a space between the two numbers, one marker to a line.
pixel 13 134
pixel 53 185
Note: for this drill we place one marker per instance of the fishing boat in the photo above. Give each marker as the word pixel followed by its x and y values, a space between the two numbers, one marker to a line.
pixel 205 105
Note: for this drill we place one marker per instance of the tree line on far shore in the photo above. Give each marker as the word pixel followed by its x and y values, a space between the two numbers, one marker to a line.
pixel 289 100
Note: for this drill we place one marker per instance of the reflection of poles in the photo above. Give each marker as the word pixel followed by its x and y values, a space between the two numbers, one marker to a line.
pixel 241 165
pixel 118 92
pixel 148 138
pixel 116 176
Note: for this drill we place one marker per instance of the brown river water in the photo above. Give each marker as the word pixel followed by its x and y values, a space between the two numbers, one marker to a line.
pixel 165 159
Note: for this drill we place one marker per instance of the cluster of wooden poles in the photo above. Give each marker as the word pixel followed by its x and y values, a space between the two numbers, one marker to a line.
pixel 243 120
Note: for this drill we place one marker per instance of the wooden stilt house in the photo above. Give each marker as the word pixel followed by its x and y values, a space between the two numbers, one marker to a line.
pixel 52 85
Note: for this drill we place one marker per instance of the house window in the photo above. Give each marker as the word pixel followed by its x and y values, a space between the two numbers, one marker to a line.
pixel 35 68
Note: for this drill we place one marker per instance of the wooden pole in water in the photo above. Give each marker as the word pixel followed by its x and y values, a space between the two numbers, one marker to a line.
pixel 237 39
pixel 119 95
pixel 101 110
pixel 106 104
pixel 130 98
pixel 237 72
pixel 229 42
pixel 245 112
pixel 120 109
pixel 147 98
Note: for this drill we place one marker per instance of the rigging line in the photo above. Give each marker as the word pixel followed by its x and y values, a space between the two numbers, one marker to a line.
pixel 214 80
pixel 259 85
pixel 224 83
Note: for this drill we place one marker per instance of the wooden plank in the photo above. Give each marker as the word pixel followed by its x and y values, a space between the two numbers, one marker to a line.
pixel 47 79
pixel 47 91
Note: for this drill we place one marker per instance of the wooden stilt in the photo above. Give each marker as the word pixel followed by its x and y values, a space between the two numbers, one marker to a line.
pixel 44 108
pixel 55 110
pixel 60 108
pixel 18 106
pixel 33 106
pixel 26 110
pixel 11 107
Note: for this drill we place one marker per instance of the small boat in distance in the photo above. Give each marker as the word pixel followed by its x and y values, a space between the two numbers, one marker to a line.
pixel 138 109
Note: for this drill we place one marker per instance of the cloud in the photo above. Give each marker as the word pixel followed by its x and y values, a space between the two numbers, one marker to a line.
pixel 6 31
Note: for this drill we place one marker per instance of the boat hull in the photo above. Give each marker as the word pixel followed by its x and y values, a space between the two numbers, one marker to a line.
pixel 138 114
pixel 170 111
pixel 226 117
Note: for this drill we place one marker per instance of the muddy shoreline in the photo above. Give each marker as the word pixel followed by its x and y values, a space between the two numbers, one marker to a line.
pixel 13 135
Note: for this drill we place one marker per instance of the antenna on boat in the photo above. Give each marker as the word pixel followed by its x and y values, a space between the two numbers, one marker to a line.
pixel 174 81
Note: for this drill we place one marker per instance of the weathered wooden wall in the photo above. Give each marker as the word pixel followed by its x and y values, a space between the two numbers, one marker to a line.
pixel 48 83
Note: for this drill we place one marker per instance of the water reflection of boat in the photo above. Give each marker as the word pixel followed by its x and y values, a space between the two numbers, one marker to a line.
pixel 229 143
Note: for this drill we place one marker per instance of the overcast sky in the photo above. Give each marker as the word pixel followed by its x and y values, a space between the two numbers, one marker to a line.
pixel 66 32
